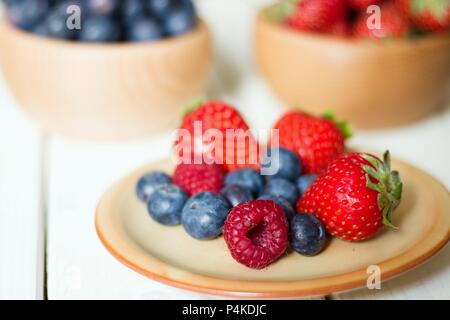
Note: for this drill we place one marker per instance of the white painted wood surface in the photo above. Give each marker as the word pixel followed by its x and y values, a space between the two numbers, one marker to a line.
pixel 78 267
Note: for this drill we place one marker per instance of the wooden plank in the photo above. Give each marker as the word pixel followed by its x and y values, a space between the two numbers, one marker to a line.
pixel 21 205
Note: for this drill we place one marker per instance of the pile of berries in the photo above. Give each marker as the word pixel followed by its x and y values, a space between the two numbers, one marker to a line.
pixel 316 189
pixel 103 20
pixel 355 18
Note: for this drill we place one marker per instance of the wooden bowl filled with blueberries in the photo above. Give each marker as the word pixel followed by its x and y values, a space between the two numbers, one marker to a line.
pixel 104 69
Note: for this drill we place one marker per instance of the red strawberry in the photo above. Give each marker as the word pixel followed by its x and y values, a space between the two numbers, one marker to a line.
pixel 195 178
pixel 227 122
pixel 340 29
pixel 316 15
pixel 393 24
pixel 355 196
pixel 317 141
pixel 256 233
pixel 430 15
pixel 362 4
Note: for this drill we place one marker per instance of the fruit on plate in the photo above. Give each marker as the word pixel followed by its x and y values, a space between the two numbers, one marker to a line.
pixel 236 194
pixel 430 15
pixel 393 24
pixel 316 15
pixel 165 204
pixel 204 215
pixel 216 117
pixel 288 164
pixel 256 233
pixel 307 235
pixel 355 197
pixel 282 188
pixel 104 20
pixel 149 182
pixel 247 178
pixel 316 141
pixel 196 178
pixel 304 182
pixel 282 202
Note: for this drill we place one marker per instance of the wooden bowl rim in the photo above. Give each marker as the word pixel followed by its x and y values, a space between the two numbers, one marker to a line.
pixel 357 280
pixel 201 28
pixel 427 41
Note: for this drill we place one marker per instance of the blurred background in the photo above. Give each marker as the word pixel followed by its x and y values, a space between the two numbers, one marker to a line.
pixel 76 117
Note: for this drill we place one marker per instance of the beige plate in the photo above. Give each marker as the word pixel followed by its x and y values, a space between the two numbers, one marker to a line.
pixel 169 255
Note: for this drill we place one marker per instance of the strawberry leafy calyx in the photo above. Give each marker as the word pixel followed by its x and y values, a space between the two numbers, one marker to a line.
pixel 438 8
pixel 193 105
pixel 283 10
pixel 388 184
pixel 342 125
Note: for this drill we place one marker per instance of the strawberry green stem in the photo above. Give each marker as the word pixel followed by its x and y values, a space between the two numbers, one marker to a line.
pixel 342 125
pixel 193 105
pixel 386 182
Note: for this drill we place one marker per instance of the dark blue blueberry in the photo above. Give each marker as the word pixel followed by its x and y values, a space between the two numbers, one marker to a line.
pixel 143 29
pixel 282 202
pixel 100 29
pixel 102 7
pixel 148 183
pixel 56 24
pixel 179 20
pixel 307 234
pixel 304 182
pixel 166 203
pixel 132 9
pixel 287 162
pixel 282 188
pixel 204 215
pixel 160 8
pixel 248 178
pixel 25 14
pixel 41 30
pixel 236 194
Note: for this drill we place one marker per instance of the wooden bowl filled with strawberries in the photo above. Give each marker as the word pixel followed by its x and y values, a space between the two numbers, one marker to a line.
pixel 377 63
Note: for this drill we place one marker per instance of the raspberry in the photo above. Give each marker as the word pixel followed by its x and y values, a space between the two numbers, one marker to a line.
pixel 195 178
pixel 256 233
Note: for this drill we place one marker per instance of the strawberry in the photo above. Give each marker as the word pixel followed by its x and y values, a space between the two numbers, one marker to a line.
pixel 355 196
pixel 316 141
pixel 362 4
pixel 216 117
pixel 340 29
pixel 196 178
pixel 430 15
pixel 393 24
pixel 315 15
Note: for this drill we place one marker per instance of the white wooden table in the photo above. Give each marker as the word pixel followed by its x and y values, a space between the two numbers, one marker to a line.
pixel 49 185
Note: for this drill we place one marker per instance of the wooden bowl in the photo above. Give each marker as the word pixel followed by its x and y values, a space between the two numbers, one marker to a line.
pixel 170 255
pixel 105 91
pixel 372 85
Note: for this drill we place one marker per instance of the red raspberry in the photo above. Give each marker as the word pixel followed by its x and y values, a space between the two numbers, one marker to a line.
pixel 256 233
pixel 195 178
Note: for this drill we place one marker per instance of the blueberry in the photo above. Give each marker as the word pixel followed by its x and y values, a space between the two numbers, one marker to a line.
pixel 41 30
pixel 100 29
pixel 236 194
pixel 132 9
pixel 204 215
pixel 179 20
pixel 304 182
pixel 102 7
pixel 282 202
pixel 307 234
pixel 166 203
pixel 160 8
pixel 283 188
pixel 143 29
pixel 56 24
pixel 148 183
pixel 25 14
pixel 287 162
pixel 248 178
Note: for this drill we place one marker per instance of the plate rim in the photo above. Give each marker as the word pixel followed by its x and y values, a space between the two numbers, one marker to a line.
pixel 336 286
